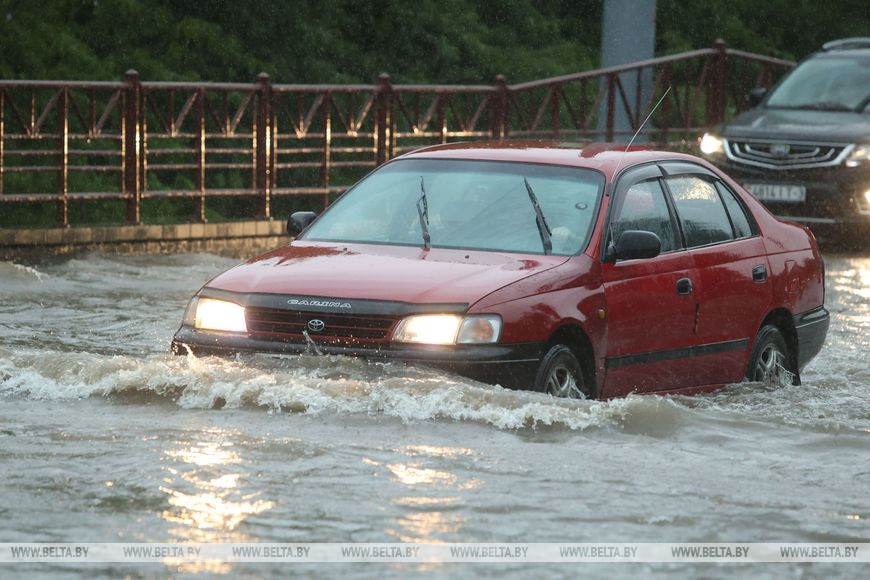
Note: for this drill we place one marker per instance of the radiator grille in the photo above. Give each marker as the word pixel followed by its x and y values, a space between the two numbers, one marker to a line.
pixel 276 324
pixel 780 155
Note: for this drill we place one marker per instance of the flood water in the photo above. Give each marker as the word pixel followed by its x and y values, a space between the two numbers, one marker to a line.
pixel 106 437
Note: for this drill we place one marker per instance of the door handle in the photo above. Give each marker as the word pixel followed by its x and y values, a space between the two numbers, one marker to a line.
pixel 684 286
pixel 759 273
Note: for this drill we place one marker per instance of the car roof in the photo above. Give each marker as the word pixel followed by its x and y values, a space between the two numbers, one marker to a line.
pixel 604 157
pixel 860 44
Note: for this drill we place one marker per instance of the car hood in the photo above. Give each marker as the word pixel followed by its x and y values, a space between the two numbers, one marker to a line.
pixel 800 125
pixel 381 272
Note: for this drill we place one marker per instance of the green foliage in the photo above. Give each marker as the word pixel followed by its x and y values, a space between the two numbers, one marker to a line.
pixel 334 41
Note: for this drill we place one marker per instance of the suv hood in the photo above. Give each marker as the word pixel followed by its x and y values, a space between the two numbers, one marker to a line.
pixel 800 125
pixel 381 272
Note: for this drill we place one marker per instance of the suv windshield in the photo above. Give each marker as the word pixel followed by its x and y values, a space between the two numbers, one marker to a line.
pixel 475 205
pixel 825 83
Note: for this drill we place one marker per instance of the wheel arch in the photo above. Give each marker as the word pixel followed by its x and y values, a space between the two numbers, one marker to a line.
pixel 783 319
pixel 572 335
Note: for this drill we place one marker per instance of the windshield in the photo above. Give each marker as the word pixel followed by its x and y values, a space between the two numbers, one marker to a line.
pixel 475 205
pixel 826 83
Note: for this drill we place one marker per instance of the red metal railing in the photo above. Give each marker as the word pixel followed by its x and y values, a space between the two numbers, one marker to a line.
pixel 263 140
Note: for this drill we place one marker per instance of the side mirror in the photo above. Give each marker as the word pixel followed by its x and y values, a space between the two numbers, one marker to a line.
pixel 299 221
pixel 636 245
pixel 757 95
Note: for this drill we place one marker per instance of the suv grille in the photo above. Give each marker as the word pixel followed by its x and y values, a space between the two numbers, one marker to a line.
pixel 780 155
pixel 275 324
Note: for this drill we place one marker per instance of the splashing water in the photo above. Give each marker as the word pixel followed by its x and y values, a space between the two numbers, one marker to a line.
pixel 138 444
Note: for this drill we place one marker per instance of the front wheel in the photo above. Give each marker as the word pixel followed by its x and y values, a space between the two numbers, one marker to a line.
pixel 561 374
pixel 770 361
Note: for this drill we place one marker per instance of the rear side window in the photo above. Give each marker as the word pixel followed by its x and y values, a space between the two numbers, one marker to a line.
pixel 742 229
pixel 643 207
pixel 700 210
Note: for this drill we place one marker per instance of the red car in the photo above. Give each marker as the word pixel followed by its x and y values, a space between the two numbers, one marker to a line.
pixel 592 272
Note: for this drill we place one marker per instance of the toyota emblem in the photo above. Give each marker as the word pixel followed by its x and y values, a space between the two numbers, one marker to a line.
pixel 316 325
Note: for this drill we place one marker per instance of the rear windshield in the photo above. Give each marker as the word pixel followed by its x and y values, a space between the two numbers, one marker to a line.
pixel 825 83
pixel 475 205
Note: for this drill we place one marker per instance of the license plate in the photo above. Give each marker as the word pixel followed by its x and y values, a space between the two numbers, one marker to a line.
pixel 777 192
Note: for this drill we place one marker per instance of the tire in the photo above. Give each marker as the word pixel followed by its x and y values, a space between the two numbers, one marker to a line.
pixel 770 361
pixel 560 374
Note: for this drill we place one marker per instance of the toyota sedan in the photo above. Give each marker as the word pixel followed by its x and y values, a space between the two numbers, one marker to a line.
pixel 579 272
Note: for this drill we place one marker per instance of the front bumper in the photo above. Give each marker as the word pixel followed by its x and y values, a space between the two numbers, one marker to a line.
pixel 506 364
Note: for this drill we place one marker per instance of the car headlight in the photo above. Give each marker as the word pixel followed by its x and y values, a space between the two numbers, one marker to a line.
pixel 860 154
pixel 448 329
pixel 212 314
pixel 711 144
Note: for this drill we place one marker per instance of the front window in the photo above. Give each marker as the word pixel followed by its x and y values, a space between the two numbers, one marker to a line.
pixel 474 205
pixel 643 207
pixel 825 83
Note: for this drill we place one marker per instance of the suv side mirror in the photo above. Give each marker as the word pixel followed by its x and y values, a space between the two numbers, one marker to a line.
pixel 636 245
pixel 299 221
pixel 757 95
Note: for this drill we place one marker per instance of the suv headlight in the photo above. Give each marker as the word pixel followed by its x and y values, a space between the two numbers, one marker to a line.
pixel 212 314
pixel 712 144
pixel 448 329
pixel 860 154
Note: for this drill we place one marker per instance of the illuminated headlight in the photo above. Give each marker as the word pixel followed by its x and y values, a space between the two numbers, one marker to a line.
pixel 860 154
pixel 711 144
pixel 211 314
pixel 448 329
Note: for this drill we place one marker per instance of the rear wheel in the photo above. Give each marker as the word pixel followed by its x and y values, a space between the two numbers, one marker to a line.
pixel 561 374
pixel 770 361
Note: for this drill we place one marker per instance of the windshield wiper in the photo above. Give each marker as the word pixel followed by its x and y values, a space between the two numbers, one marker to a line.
pixel 543 228
pixel 423 213
pixel 824 106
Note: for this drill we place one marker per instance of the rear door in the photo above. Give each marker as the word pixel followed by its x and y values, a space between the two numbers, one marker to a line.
pixel 732 290
pixel 650 322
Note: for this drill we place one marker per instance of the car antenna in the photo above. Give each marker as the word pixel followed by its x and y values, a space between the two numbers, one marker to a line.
pixel 636 133
pixel 619 164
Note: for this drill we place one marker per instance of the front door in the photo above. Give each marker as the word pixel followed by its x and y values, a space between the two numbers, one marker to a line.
pixel 651 306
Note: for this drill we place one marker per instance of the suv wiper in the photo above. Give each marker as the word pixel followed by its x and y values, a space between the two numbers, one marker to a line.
pixel 824 106
pixel 423 213
pixel 543 228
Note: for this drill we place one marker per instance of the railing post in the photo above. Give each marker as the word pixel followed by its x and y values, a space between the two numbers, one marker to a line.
pixel 554 110
pixel 499 108
pixel 326 113
pixel 384 119
pixel 611 107
pixel 262 145
pixel 63 174
pixel 442 120
pixel 132 146
pixel 664 115
pixel 2 133
pixel 199 204
pixel 716 108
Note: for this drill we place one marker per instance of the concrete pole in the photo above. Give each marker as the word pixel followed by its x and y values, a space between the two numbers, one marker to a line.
pixel 628 35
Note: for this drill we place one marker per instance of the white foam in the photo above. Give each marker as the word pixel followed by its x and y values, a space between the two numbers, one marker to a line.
pixel 316 385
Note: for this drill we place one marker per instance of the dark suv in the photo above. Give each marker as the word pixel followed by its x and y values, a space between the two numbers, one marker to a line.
pixel 804 150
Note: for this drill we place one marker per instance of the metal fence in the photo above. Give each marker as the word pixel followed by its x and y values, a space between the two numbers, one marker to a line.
pixel 69 142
